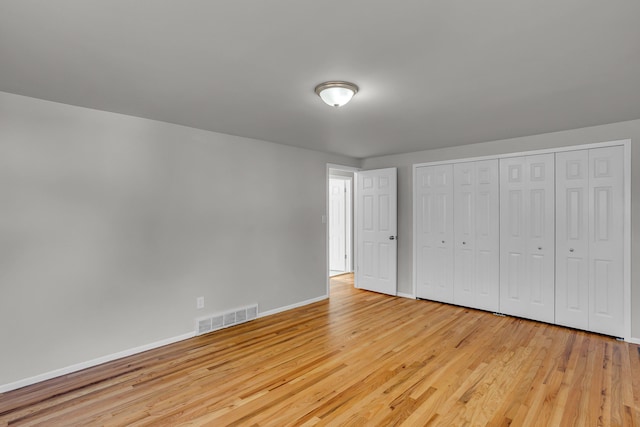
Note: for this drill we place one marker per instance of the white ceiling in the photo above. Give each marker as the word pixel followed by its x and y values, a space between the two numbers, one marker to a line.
pixel 431 73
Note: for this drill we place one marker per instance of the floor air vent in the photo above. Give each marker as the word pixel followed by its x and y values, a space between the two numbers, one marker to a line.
pixel 226 319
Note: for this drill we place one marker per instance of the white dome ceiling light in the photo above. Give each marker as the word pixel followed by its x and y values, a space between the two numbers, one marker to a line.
pixel 336 93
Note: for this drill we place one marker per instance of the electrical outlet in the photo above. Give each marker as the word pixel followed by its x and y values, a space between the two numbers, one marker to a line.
pixel 199 303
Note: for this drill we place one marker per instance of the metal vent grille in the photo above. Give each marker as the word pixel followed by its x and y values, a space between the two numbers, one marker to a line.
pixel 228 318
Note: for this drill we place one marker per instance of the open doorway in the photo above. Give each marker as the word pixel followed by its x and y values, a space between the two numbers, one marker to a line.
pixel 339 223
pixel 339 220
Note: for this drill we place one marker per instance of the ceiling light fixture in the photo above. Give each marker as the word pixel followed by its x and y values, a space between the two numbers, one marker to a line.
pixel 336 93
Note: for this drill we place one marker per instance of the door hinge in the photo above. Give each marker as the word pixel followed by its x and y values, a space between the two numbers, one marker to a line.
pixel 345 256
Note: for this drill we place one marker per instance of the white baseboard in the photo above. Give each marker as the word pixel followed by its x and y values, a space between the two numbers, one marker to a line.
pixel 633 340
pixel 403 295
pixel 289 307
pixel 84 365
pixel 129 352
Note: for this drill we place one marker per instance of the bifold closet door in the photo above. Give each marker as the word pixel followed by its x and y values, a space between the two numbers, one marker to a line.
pixel 476 229
pixel 527 243
pixel 572 239
pixel 590 240
pixel 434 220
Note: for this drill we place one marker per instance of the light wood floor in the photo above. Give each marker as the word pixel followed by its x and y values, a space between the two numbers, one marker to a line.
pixel 359 358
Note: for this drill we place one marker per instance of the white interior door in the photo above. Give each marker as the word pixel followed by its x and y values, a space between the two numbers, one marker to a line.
pixel 572 239
pixel 434 213
pixel 337 225
pixel 527 237
pixel 590 240
pixel 376 230
pixel 477 234
pixel 606 233
pixel 464 210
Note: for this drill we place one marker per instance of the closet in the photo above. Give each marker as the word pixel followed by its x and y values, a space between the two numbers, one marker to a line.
pixel 541 236
pixel 457 233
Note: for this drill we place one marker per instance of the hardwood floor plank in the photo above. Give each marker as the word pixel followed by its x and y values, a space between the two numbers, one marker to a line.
pixel 359 358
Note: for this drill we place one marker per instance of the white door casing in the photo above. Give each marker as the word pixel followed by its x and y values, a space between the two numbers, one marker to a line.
pixel 376 230
pixel 337 225
pixel 527 237
pixel 434 239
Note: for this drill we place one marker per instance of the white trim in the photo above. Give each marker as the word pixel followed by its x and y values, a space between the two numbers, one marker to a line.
pixel 292 306
pixel 403 295
pixel 526 153
pixel 415 228
pixel 626 143
pixel 627 240
pixel 342 168
pixel 91 363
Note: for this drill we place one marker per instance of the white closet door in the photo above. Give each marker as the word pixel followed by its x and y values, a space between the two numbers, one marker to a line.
pixel 487 222
pixel 606 232
pixel 434 211
pixel 527 244
pixel 572 239
pixel 464 226
pixel 476 243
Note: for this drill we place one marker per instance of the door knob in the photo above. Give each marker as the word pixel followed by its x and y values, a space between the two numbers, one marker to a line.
pixel 571 250
pixel 393 237
pixel 464 243
pixel 539 248
pixel 443 241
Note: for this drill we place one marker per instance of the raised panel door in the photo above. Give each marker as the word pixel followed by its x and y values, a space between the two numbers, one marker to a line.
pixel 606 235
pixel 376 227
pixel 464 208
pixel 435 232
pixel 487 237
pixel 572 239
pixel 527 246
pixel 476 230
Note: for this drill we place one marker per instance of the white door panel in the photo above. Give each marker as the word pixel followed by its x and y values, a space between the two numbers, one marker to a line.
pixel 487 235
pixel 572 242
pixel 435 232
pixel 476 242
pixel 376 227
pixel 527 237
pixel 606 232
pixel 590 215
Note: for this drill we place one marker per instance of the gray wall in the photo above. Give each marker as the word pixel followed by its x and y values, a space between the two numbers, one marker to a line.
pixel 111 226
pixel 404 162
